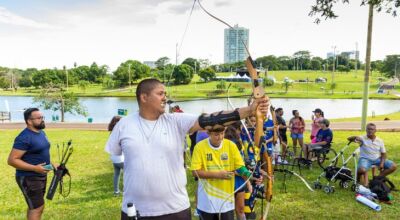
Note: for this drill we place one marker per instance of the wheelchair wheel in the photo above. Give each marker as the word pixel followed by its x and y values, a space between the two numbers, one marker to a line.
pixel 325 157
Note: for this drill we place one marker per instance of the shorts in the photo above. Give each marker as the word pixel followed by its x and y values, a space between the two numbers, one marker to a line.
pixel 283 137
pixel 33 188
pixel 296 136
pixel 367 163
pixel 211 216
pixel 182 215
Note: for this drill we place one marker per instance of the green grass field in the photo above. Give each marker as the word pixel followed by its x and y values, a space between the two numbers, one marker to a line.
pixel 92 194
pixel 349 85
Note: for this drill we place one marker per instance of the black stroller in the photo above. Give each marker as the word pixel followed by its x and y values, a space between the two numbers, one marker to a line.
pixel 342 174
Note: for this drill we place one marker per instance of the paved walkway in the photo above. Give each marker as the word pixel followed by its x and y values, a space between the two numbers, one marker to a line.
pixel 351 126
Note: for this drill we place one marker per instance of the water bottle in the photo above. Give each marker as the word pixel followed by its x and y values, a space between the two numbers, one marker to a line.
pixel 131 212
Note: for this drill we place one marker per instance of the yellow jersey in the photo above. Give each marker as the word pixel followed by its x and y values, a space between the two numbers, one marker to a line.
pixel 212 193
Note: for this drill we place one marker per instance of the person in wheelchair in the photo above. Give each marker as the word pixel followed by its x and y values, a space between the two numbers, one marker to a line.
pixel 323 139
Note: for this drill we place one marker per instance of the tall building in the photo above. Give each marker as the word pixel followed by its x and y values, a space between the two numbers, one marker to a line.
pixel 234 50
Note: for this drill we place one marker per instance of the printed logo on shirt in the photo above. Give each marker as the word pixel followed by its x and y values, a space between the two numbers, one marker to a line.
pixel 209 157
pixel 224 156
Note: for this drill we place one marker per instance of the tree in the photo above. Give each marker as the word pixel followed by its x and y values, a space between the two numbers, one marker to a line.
pixel 166 73
pixel 302 59
pixel 391 66
pixel 96 73
pixel 324 8
pixel 316 63
pixel 83 84
pixel 195 64
pixel 286 84
pixel 43 77
pixel 269 62
pixel 161 62
pixel 207 74
pixel 377 65
pixel 130 71
pixel 182 74
pixel 57 99
pixel 108 82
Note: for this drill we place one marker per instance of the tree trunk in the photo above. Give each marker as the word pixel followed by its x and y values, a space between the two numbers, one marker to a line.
pixel 367 68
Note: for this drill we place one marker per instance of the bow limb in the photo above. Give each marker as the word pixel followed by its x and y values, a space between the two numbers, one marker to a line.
pixel 258 92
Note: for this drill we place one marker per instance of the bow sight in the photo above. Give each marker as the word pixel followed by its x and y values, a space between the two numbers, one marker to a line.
pixel 61 171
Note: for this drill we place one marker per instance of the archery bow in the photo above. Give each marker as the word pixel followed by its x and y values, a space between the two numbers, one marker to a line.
pixel 258 92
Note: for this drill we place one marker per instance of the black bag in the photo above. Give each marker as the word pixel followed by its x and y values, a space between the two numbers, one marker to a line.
pixel 344 174
pixel 382 186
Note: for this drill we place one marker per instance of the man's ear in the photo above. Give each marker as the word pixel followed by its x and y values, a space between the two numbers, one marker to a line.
pixel 143 97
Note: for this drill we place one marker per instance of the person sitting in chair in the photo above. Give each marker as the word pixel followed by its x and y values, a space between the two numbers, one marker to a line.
pixel 372 152
pixel 323 138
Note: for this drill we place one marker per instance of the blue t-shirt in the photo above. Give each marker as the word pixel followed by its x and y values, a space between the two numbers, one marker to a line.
pixel 325 135
pixel 37 149
pixel 268 134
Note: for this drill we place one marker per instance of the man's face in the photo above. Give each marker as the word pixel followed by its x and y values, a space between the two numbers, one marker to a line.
pixel 216 137
pixel 280 113
pixel 371 130
pixel 156 99
pixel 322 125
pixel 37 120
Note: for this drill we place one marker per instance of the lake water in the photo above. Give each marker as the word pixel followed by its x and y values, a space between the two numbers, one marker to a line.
pixel 102 109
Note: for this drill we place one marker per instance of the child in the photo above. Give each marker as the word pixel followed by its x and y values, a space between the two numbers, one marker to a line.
pixel 215 161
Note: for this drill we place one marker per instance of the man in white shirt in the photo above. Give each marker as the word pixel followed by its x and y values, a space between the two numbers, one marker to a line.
pixel 372 152
pixel 152 142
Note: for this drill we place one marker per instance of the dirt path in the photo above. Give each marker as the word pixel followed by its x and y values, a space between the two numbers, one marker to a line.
pixel 381 126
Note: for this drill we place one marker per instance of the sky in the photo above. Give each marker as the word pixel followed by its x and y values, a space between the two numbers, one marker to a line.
pixel 48 33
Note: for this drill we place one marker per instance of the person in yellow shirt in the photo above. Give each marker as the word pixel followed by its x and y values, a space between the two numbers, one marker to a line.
pixel 214 162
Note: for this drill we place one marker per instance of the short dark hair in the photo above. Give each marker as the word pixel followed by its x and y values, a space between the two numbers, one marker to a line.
pixel 146 86
pixel 294 112
pixel 28 113
pixel 113 122
pixel 218 129
pixel 370 124
pixel 278 109
pixel 325 122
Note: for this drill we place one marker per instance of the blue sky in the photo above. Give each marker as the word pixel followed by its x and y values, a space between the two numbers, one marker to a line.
pixel 50 33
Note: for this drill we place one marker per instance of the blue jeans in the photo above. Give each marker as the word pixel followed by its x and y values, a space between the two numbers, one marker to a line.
pixel 117 173
pixel 367 163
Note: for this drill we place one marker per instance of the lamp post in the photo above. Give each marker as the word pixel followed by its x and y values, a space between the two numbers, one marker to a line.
pixel 66 75
pixel 129 74
pixel 333 64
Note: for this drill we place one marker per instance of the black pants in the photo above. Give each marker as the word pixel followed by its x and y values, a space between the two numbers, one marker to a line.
pixel 182 215
pixel 214 216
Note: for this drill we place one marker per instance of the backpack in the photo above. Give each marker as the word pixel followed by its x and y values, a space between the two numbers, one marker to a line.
pixel 382 186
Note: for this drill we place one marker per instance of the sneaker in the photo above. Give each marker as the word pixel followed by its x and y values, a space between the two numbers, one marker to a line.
pixel 117 193
pixel 285 162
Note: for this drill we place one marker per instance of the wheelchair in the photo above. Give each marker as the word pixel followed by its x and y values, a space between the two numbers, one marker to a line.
pixel 325 156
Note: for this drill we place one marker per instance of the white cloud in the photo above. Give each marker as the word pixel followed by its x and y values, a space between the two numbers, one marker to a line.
pixel 8 17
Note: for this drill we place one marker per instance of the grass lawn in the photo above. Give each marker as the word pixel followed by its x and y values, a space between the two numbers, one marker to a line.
pixel 349 85
pixel 92 194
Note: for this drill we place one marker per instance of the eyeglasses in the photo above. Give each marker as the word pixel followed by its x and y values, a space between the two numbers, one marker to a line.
pixel 41 118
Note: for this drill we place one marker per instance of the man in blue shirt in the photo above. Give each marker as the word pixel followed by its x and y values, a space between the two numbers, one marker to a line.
pixel 29 155
pixel 323 139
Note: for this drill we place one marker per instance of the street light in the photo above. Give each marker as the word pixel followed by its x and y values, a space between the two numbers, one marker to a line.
pixel 66 73
pixel 129 74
